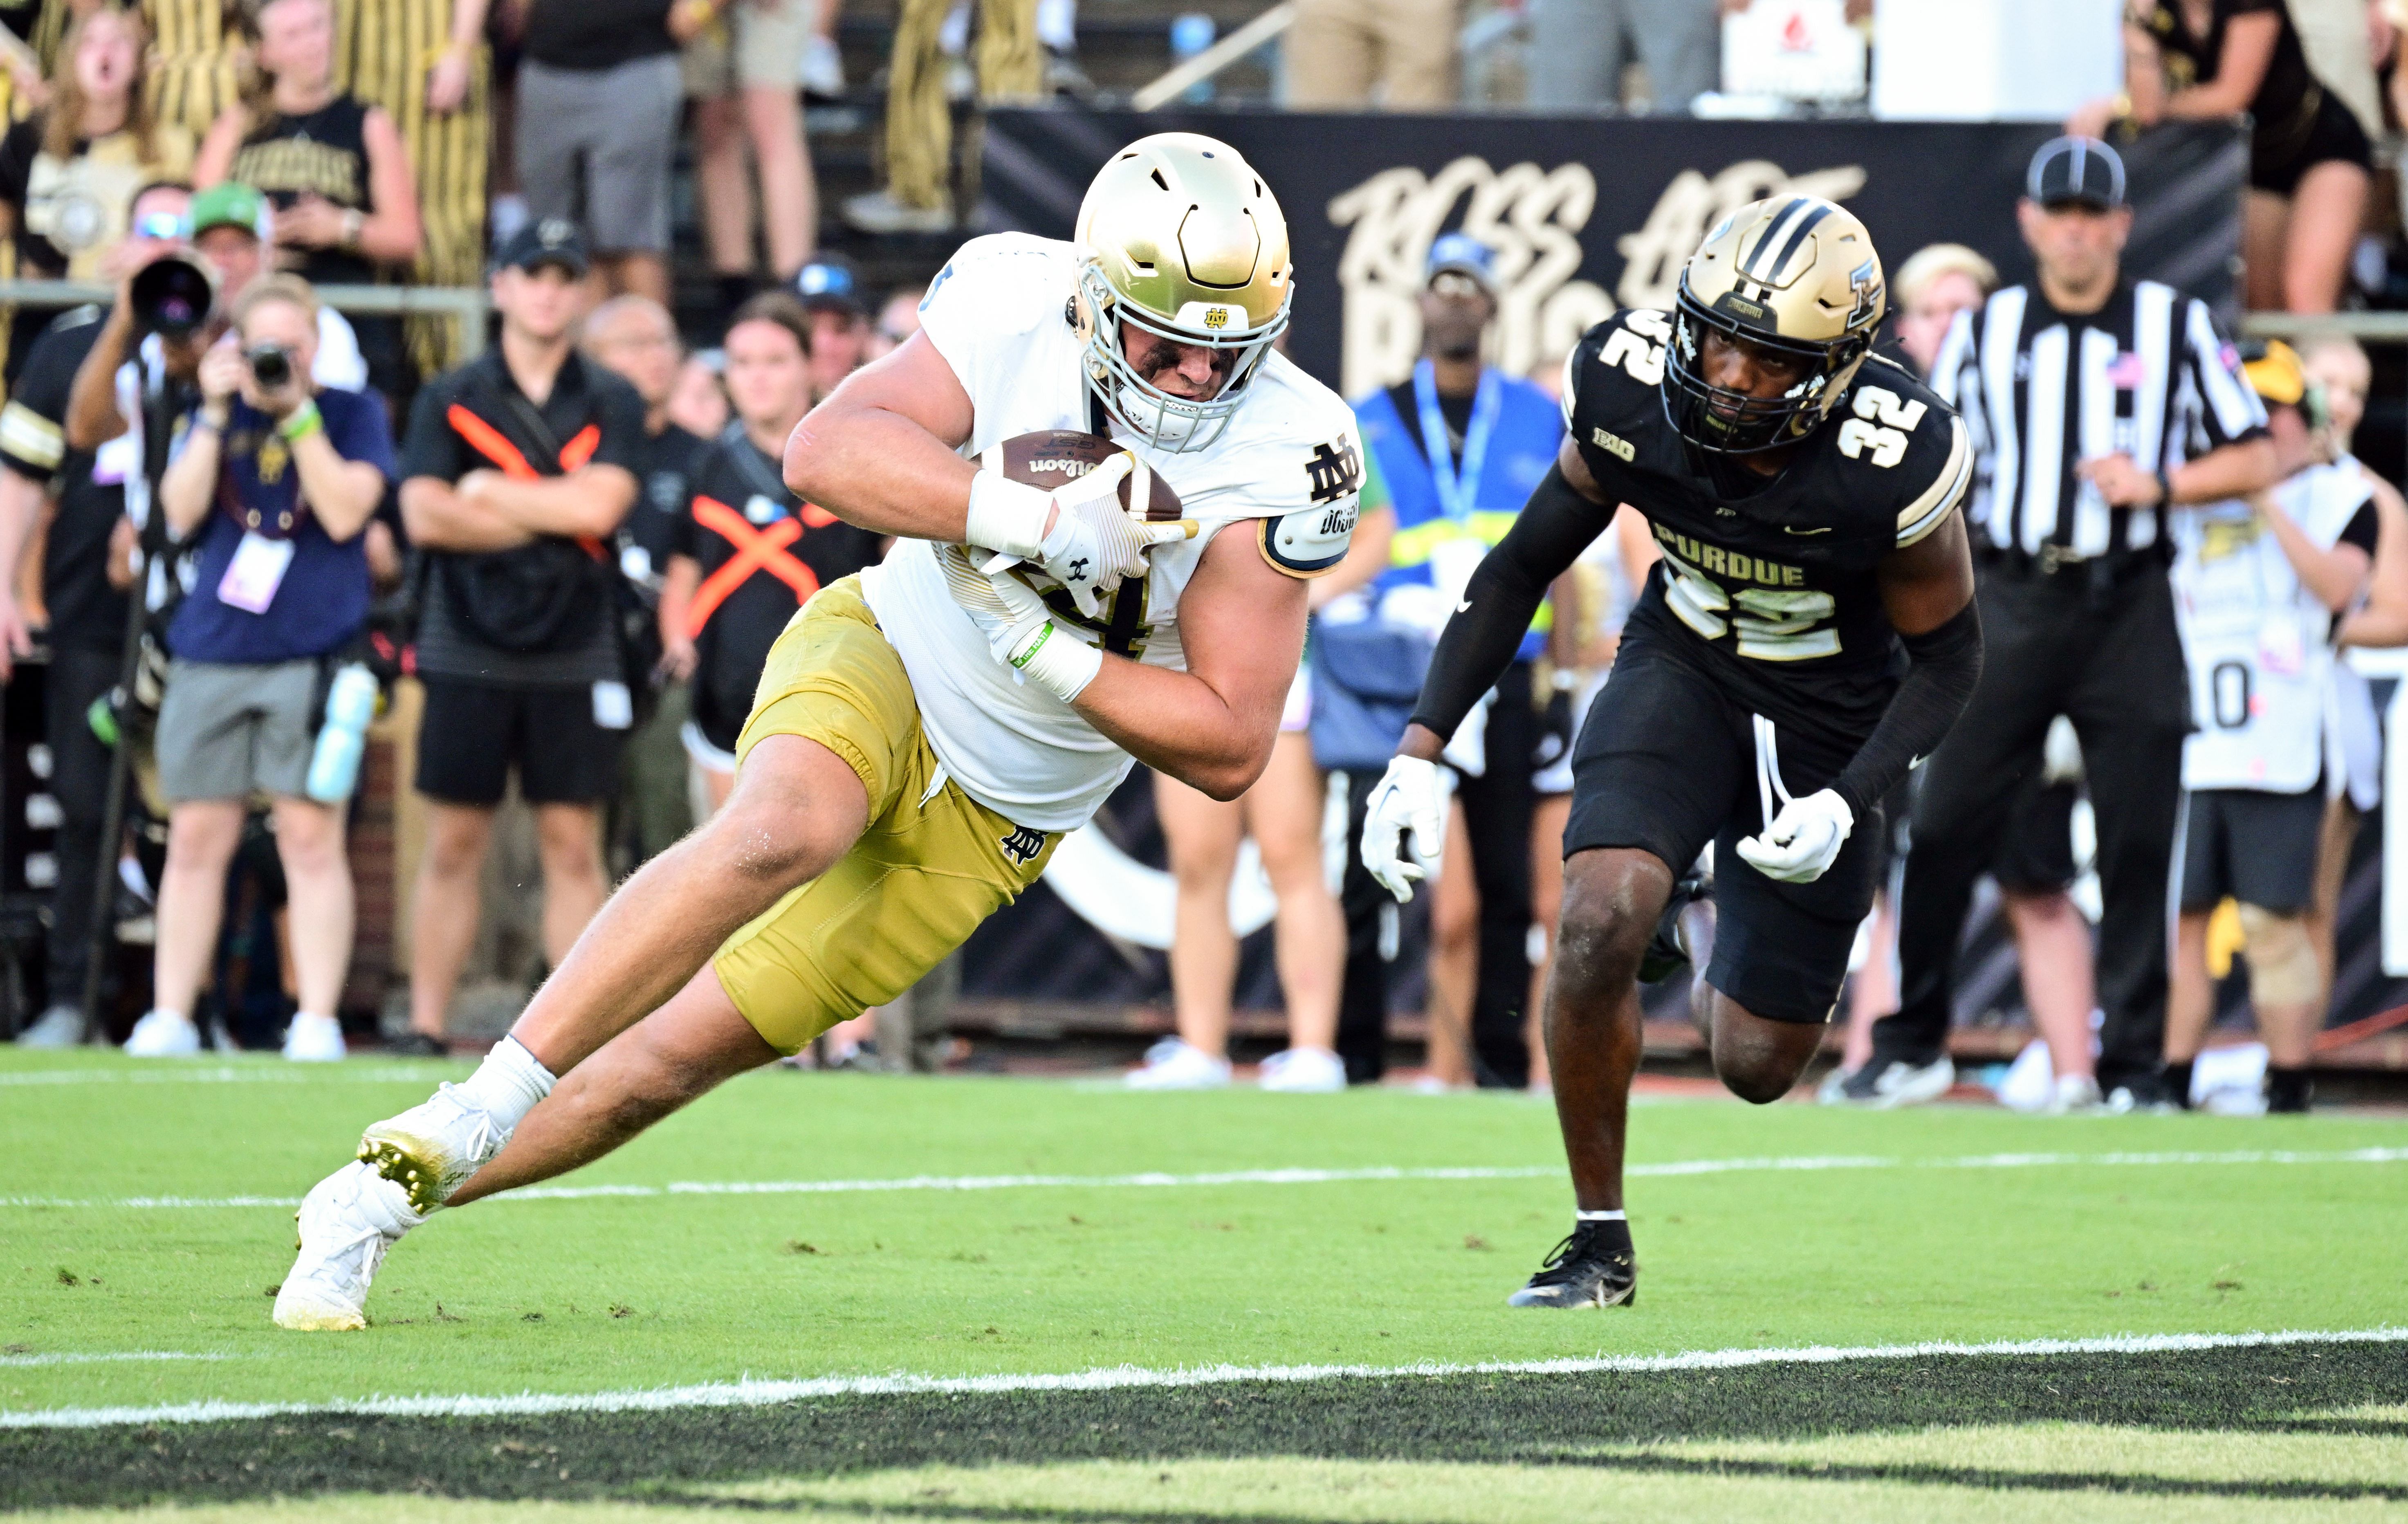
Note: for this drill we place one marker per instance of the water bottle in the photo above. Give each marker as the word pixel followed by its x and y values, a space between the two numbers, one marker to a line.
pixel 334 763
pixel 1190 35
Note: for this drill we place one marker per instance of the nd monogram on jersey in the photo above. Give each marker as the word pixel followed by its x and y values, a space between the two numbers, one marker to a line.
pixel 1286 471
pixel 1779 581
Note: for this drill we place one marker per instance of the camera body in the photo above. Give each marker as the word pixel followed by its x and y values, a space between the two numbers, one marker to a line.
pixel 271 366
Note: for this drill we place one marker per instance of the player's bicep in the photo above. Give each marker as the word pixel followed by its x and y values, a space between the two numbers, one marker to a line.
pixel 1924 585
pixel 1241 625
pixel 915 382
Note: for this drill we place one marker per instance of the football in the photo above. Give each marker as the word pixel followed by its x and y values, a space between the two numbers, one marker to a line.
pixel 1051 457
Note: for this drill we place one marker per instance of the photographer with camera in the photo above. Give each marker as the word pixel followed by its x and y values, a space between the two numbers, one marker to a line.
pixel 272 479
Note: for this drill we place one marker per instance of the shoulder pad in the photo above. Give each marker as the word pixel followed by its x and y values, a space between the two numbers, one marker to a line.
pixel 1309 543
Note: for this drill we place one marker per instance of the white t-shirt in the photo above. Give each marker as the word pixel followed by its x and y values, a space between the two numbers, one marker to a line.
pixel 999 314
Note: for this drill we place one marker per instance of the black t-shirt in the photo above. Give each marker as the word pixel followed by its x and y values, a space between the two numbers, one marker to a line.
pixel 583 396
pixel 662 479
pixel 1455 411
pixel 2289 99
pixel 739 503
pixel 86 613
pixel 597 33
pixel 1777 581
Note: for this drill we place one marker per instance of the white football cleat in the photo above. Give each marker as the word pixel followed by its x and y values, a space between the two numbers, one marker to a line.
pixel 163 1034
pixel 431 1149
pixel 1304 1071
pixel 2073 1095
pixel 1173 1065
pixel 314 1040
pixel 347 1221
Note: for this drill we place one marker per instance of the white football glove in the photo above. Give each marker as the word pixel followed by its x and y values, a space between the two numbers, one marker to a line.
pixel 1095 543
pixel 1803 840
pixel 1409 800
pixel 1020 631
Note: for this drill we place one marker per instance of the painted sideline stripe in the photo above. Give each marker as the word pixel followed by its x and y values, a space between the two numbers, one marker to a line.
pixel 67 1359
pixel 750 1393
pixel 1293 1176
pixel 230 1074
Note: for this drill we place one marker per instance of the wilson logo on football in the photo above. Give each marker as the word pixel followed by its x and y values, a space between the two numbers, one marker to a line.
pixel 1063 464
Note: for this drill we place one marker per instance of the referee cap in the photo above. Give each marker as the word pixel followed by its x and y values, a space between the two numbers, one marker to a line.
pixel 2076 170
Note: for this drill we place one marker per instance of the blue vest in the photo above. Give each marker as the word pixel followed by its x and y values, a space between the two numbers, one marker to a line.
pixel 1529 430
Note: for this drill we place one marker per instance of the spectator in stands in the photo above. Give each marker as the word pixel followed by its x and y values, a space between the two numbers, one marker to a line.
pixel 898 321
pixel 87 616
pixel 424 63
pixel 274 479
pixel 2309 158
pixel 598 101
pixel 634 338
pixel 2260 582
pixel 68 173
pixel 1460 445
pixel 332 166
pixel 1347 54
pixel 515 464
pixel 1579 49
pixel 749 552
pixel 743 71
pixel 1937 282
pixel 698 401
pixel 841 331
pixel 918 195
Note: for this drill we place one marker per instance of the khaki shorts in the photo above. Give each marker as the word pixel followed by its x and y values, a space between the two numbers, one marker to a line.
pixel 933 864
pixel 753 46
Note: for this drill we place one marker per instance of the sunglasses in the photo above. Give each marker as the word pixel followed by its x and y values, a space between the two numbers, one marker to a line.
pixel 166 226
pixel 1455 284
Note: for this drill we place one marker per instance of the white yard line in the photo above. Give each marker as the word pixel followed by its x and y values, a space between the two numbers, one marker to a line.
pixel 70 1358
pixel 1297 1176
pixel 750 1393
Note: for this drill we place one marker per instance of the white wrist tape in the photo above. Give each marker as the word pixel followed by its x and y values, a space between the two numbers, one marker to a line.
pixel 1057 661
pixel 1007 515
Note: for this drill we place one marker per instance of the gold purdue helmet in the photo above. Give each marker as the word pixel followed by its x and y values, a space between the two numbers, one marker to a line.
pixel 1794 274
pixel 1182 238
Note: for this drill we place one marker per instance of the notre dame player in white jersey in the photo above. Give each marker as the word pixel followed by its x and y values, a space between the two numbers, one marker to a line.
pixel 923 733
pixel 1809 632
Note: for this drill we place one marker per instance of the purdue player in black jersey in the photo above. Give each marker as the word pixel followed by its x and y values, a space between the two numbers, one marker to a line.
pixel 1809 632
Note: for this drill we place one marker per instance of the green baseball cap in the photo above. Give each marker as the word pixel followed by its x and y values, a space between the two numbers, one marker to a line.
pixel 232 203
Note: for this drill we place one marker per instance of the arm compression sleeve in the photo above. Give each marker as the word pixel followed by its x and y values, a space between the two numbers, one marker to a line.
pixel 1503 594
pixel 1947 661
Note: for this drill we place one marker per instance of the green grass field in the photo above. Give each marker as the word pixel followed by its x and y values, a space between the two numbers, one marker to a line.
pixel 141 1236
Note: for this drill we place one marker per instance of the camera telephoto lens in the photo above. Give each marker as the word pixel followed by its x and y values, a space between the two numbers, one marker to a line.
pixel 172 296
pixel 270 365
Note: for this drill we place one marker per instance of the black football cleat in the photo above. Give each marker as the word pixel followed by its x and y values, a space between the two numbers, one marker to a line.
pixel 1582 1271
pixel 1666 954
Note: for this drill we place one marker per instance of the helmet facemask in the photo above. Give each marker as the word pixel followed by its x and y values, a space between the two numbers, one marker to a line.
pixel 1164 419
pixel 1721 420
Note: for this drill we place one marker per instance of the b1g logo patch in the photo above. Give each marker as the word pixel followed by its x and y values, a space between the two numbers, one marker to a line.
pixel 1023 844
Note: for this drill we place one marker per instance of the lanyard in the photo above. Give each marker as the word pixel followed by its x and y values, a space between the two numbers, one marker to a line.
pixel 1456 488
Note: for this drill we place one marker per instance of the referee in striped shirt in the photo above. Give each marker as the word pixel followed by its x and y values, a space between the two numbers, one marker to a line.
pixel 2096 406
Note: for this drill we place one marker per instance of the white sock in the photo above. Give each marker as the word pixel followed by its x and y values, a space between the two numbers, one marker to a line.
pixel 1600 1217
pixel 163 1011
pixel 309 1016
pixel 508 1083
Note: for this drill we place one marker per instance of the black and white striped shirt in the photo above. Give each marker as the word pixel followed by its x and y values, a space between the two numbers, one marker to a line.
pixel 2041 391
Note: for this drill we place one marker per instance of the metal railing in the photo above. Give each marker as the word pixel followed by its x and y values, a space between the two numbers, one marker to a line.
pixel 466 306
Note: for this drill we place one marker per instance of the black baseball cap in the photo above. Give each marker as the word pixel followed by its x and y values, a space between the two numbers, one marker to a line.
pixel 2076 170
pixel 552 240
pixel 829 283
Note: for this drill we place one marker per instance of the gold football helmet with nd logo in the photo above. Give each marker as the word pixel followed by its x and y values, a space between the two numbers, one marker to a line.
pixel 1793 274
pixel 1183 240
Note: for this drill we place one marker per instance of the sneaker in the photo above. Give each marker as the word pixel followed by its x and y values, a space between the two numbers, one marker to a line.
pixel 163 1034
pixel 822 70
pixel 1304 1071
pixel 59 1027
pixel 1582 1273
pixel 417 1045
pixel 2072 1094
pixel 1668 951
pixel 2142 1093
pixel 347 1221
pixel 314 1040
pixel 2233 1100
pixel 878 211
pixel 1173 1065
pixel 1833 1091
pixel 1885 1087
pixel 432 1148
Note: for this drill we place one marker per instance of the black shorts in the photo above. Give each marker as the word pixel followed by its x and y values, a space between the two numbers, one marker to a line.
pixel 2035 854
pixel 1667 763
pixel 2259 848
pixel 2336 137
pixel 474 733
